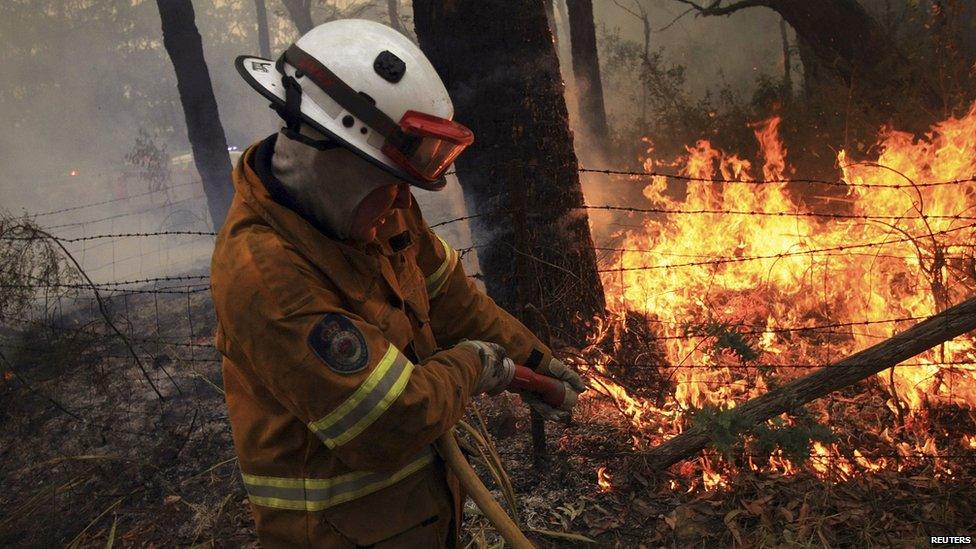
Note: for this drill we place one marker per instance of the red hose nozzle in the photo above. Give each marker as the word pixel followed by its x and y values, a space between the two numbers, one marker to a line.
pixel 549 390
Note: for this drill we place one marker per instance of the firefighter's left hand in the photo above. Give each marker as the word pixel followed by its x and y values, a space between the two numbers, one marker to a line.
pixel 559 370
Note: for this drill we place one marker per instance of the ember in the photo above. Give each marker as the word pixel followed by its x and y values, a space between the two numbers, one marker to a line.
pixel 603 479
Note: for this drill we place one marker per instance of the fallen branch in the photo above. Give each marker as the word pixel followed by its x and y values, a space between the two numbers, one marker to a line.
pixel 933 331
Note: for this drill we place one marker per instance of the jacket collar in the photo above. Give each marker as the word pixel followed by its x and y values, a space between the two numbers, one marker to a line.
pixel 353 266
pixel 349 265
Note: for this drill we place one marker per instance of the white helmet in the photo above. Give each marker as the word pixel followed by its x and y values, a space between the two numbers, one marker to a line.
pixel 371 89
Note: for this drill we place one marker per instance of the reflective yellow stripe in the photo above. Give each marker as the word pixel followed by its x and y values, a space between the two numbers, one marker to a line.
pixel 309 494
pixel 435 282
pixel 381 406
pixel 373 397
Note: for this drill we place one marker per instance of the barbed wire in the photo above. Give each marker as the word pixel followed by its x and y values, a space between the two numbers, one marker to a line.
pixel 605 171
pixel 781 255
pixel 826 182
pixel 715 259
pixel 180 290
pixel 761 365
pixel 826 215
pixel 121 215
pixel 136 235
pixel 110 201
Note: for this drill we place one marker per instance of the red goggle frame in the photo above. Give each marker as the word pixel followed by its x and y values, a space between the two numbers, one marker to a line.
pixel 427 145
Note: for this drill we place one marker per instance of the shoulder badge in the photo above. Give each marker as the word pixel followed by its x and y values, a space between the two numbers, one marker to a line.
pixel 338 343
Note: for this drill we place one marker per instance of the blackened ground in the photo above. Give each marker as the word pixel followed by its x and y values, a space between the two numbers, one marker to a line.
pixel 86 447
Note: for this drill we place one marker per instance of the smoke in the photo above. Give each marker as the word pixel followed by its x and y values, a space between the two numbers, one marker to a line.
pixel 82 78
pixel 713 55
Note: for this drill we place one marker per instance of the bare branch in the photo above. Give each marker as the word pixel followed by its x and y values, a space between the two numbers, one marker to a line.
pixel 675 20
pixel 630 11
pixel 716 7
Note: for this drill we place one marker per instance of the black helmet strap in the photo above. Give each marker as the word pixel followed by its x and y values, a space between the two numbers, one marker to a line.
pixel 291 111
pixel 358 104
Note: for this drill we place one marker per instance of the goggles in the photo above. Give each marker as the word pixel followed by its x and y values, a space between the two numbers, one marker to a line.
pixel 422 145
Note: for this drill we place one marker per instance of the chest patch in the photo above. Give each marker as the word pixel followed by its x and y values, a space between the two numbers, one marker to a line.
pixel 339 344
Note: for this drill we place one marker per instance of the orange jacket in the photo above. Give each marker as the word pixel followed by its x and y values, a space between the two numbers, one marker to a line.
pixel 340 368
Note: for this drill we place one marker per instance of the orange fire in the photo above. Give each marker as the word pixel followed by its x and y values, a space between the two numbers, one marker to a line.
pixel 802 285
pixel 603 479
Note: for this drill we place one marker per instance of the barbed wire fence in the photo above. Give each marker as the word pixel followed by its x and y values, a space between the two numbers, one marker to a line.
pixel 94 331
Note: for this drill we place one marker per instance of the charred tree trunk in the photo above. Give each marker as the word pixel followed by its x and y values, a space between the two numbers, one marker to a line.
pixel 925 335
pixel 586 71
pixel 787 61
pixel 521 174
pixel 300 12
pixel 550 6
pixel 207 141
pixel 264 40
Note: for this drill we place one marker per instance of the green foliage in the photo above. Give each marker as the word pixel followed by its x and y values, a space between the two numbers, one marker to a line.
pixel 726 338
pixel 730 434
pixel 654 92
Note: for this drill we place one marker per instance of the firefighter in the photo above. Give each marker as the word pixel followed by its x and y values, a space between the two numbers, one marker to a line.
pixel 351 337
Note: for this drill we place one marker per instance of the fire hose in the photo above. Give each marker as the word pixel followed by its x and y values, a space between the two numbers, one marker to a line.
pixel 553 393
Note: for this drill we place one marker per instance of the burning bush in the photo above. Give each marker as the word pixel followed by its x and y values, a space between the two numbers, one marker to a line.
pixel 749 281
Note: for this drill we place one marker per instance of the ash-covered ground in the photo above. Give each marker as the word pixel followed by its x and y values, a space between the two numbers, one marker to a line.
pixel 90 453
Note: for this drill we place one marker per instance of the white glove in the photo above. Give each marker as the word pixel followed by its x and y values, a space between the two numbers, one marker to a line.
pixel 497 370
pixel 572 383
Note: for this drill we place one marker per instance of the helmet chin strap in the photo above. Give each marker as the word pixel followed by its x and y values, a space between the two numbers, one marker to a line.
pixel 291 110
pixel 316 140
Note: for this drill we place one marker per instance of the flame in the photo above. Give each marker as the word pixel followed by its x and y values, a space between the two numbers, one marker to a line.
pixel 893 249
pixel 603 479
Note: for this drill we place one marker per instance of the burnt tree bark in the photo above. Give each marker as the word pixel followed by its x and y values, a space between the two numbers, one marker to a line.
pixel 850 44
pixel 550 6
pixel 933 331
pixel 521 175
pixel 300 12
pixel 787 60
pixel 264 40
pixel 207 141
pixel 586 72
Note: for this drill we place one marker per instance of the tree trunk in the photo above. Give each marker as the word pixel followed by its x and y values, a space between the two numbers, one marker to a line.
pixel 393 9
pixel 550 6
pixel 264 41
pixel 852 43
pixel 521 174
pixel 787 61
pixel 933 331
pixel 207 141
pixel 586 70
pixel 300 12
pixel 849 43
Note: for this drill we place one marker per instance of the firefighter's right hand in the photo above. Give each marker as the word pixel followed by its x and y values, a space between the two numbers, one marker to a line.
pixel 497 370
